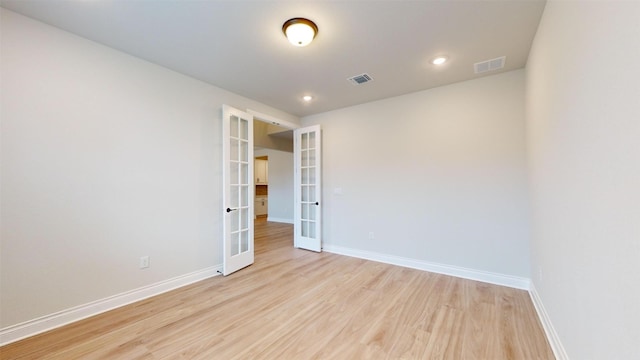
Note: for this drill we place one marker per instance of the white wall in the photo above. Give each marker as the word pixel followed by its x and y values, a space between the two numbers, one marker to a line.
pixel 105 158
pixel 280 184
pixel 583 126
pixel 438 176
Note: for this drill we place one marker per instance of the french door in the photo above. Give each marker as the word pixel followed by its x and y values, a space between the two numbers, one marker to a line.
pixel 237 175
pixel 307 169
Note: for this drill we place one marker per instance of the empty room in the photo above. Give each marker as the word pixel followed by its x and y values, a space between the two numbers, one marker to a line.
pixel 319 179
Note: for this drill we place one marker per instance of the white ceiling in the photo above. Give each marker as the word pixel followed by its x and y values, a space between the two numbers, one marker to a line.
pixel 239 45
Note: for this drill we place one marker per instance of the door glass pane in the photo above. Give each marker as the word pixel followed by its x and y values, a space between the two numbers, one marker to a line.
pixel 234 221
pixel 235 243
pixel 305 158
pixel 312 229
pixel 312 211
pixel 305 176
pixel 312 194
pixel 244 174
pixel 304 193
pixel 233 150
pixel 244 151
pixel 244 218
pixel 244 241
pixel 244 196
pixel 312 175
pixel 303 142
pixel 244 129
pixel 233 128
pixel 312 140
pixel 233 197
pixel 312 158
pixel 233 173
pixel 304 228
pixel 305 211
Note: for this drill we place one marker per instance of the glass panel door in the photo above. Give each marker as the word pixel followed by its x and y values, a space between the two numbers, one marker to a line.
pixel 237 153
pixel 307 153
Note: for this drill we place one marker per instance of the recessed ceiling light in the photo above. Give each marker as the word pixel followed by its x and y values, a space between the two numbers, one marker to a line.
pixel 300 31
pixel 307 98
pixel 439 60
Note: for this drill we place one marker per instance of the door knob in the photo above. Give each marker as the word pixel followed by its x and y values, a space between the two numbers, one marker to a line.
pixel 317 203
pixel 230 210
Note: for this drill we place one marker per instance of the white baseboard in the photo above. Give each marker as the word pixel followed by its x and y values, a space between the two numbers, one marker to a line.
pixel 280 220
pixel 471 274
pixel 552 335
pixel 45 323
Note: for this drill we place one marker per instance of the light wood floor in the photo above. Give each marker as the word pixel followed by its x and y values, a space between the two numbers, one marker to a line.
pixel 295 304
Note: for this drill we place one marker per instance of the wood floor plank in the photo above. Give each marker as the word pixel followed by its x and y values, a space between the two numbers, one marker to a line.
pixel 296 304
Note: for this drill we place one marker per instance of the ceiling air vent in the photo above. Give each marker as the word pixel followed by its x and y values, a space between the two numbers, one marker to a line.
pixel 360 79
pixel 489 65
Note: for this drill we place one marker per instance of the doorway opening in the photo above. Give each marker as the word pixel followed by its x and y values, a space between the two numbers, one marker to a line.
pixel 296 197
pixel 273 172
pixel 265 146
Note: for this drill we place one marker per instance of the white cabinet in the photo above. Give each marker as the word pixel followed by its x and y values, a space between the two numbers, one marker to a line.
pixel 261 172
pixel 261 206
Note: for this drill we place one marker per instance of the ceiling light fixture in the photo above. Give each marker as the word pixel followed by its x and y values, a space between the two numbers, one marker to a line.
pixel 439 60
pixel 307 98
pixel 300 31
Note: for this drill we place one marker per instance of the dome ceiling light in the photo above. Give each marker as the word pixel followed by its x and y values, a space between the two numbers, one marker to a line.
pixel 300 31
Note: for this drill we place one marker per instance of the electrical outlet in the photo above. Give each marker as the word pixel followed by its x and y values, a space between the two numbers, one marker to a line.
pixel 144 262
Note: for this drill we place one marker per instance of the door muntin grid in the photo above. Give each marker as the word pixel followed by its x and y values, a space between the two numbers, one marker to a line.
pixel 239 185
pixel 308 175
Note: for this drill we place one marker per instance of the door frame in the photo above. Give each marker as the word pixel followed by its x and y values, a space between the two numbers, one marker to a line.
pixel 273 120
pixel 229 266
